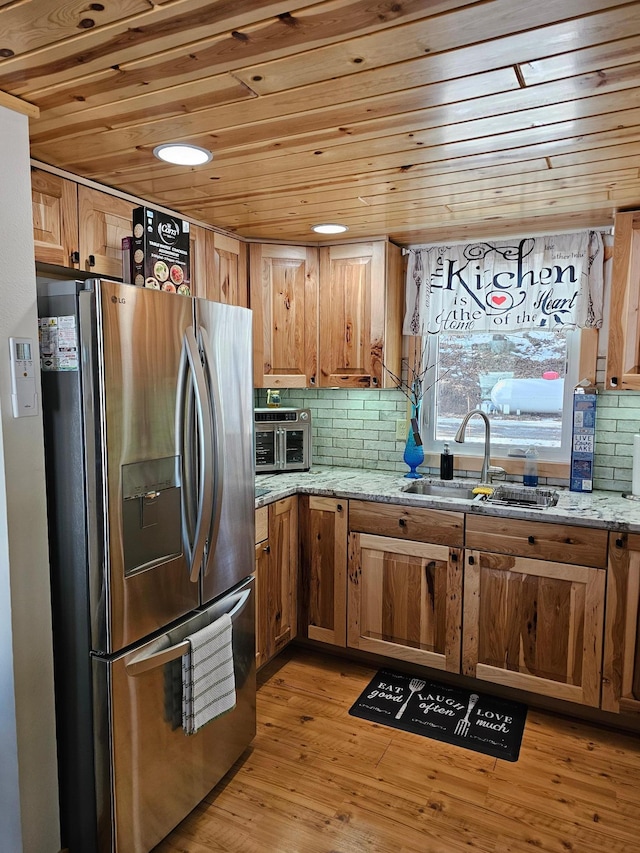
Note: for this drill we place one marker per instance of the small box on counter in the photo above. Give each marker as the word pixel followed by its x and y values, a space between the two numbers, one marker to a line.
pixel 583 438
pixel 160 251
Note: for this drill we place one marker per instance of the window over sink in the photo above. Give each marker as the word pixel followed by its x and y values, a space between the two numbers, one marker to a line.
pixel 523 381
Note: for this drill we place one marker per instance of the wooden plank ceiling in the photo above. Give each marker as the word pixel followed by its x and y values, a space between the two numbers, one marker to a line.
pixel 422 120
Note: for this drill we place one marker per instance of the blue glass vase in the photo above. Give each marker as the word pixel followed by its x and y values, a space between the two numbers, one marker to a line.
pixel 413 452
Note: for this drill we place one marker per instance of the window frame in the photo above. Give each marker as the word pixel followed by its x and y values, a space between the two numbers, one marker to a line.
pixel 552 465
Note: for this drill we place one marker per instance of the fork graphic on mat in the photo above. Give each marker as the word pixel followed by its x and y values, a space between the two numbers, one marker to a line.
pixel 414 685
pixel 463 726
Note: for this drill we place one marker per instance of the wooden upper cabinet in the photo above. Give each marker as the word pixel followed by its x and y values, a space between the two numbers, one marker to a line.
pixel 197 251
pixel 229 261
pixel 55 219
pixel 361 302
pixel 104 221
pixel 218 267
pixel 623 355
pixel 621 667
pixel 284 298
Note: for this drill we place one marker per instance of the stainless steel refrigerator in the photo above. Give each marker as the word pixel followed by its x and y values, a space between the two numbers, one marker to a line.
pixel 147 404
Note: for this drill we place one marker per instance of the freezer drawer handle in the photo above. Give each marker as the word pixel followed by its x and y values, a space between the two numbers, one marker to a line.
pixel 140 665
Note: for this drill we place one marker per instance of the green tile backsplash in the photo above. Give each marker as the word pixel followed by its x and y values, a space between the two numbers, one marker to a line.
pixel 352 427
pixel 356 428
pixel 617 420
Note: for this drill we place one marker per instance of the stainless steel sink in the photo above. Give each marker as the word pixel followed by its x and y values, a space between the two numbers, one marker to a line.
pixel 441 489
pixel 528 496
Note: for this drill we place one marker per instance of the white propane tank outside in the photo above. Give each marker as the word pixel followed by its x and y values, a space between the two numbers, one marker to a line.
pixel 535 396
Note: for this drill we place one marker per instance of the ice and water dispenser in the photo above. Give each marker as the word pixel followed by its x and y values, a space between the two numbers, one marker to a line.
pixel 151 517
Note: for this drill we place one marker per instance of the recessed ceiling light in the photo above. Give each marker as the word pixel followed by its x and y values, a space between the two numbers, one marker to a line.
pixel 329 228
pixel 182 154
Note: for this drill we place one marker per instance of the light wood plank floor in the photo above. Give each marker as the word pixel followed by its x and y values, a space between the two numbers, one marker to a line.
pixel 319 781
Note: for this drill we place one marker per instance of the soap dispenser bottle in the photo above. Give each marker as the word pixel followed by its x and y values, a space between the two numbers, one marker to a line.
pixel 531 467
pixel 446 464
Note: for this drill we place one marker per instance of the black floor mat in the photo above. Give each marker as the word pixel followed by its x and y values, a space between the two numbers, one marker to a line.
pixel 450 714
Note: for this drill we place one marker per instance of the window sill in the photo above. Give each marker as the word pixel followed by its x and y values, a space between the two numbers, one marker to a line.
pixel 512 465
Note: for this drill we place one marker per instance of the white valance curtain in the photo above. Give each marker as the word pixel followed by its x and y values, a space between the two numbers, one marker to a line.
pixel 513 285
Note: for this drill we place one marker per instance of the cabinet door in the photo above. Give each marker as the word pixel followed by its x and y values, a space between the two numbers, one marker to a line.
pixel 360 314
pixel 405 600
pixel 623 350
pixel 104 221
pixel 534 625
pixel 220 267
pixel 263 571
pixel 323 592
pixel 55 219
pixel 229 262
pixel 621 668
pixel 197 260
pixel 276 575
pixel 284 294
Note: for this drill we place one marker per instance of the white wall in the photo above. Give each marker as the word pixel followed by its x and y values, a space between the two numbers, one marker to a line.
pixel 28 772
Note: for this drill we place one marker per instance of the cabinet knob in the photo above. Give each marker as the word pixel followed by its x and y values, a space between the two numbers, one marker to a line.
pixel 267 549
pixel 472 561
pixel 75 257
pixel 619 543
pixel 531 540
pixel 402 522
pixel 454 558
pixel 374 380
pixel 312 380
pixel 92 260
pixel 339 507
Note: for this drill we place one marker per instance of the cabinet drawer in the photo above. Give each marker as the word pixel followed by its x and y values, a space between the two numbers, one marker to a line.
pixel 561 543
pixel 262 524
pixel 406 522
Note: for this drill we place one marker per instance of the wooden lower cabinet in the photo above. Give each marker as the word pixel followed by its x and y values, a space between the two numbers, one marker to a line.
pixel 514 602
pixel 276 578
pixel 535 625
pixel 405 600
pixel 621 668
pixel 323 569
pixel 534 606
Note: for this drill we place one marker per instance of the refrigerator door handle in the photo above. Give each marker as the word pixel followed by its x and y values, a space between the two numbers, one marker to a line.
pixel 146 662
pixel 205 441
pixel 218 444
pixel 184 432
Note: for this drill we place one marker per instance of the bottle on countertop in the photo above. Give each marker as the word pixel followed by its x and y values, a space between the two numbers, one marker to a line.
pixel 446 464
pixel 531 467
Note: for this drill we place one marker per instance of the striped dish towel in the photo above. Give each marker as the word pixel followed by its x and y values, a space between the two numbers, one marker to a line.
pixel 208 681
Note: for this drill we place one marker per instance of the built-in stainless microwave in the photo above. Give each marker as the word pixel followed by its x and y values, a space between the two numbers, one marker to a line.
pixel 282 439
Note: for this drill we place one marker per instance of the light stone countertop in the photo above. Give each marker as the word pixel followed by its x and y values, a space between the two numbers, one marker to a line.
pixel 599 509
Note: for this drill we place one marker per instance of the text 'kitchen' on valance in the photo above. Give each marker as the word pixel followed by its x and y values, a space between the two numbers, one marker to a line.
pixel 506 286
